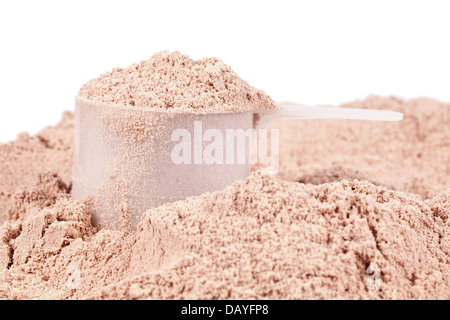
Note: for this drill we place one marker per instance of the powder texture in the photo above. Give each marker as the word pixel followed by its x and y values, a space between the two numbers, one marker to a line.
pixel 359 210
pixel 411 156
pixel 21 160
pixel 174 82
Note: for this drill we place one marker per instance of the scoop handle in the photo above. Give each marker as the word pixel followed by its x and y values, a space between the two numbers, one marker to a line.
pixel 288 111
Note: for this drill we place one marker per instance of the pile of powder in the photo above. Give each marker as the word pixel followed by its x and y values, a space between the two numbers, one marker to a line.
pixel 359 210
pixel 21 160
pixel 174 82
pixel 412 155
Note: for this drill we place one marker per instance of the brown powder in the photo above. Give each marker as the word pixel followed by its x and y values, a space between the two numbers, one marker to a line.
pixel 264 237
pixel 412 155
pixel 21 160
pixel 174 82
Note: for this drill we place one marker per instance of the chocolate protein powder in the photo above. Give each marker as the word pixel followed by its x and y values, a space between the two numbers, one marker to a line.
pixel 172 82
pixel 358 210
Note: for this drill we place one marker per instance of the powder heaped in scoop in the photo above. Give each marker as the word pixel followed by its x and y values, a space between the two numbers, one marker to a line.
pixel 174 82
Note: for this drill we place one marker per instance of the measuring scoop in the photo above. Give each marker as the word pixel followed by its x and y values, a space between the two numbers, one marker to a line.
pixel 289 110
pixel 129 159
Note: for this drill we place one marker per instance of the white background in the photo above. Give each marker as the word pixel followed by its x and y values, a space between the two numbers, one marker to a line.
pixel 312 52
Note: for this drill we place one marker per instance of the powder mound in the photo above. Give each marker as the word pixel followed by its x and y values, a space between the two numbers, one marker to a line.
pixel 42 220
pixel 49 188
pixel 174 82
pixel 335 173
pixel 265 238
pixel 49 238
pixel 440 205
pixel 31 249
pixel 21 160
pixel 412 155
pixel 45 233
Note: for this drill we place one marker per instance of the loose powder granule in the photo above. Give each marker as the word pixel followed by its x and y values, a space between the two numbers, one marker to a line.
pixel 172 82
pixel 341 232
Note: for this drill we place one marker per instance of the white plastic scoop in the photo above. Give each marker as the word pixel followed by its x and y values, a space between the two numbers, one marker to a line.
pixel 288 110
pixel 129 160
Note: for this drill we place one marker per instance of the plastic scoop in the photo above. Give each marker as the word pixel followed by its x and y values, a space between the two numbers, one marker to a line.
pixel 129 160
pixel 288 110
